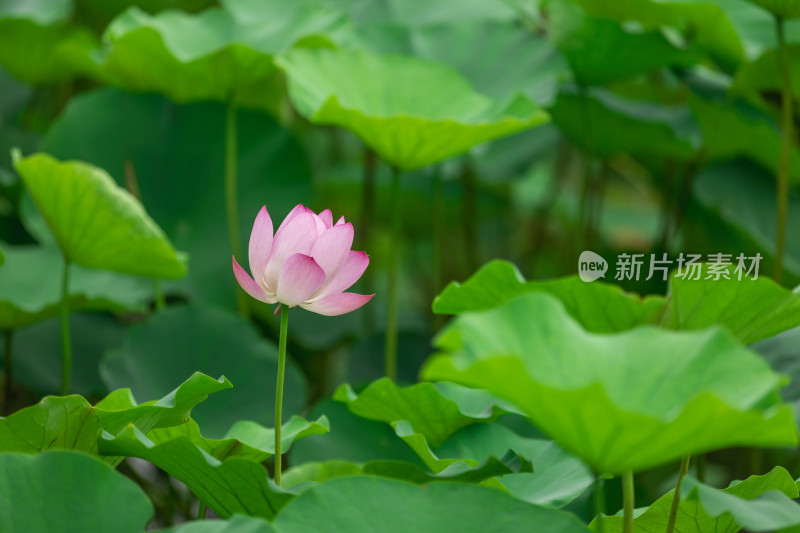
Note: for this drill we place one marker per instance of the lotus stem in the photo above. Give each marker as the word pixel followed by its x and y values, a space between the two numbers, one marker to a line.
pixel 787 117
pixel 66 347
pixel 599 501
pixel 201 510
pixel 231 195
pixel 279 389
pixel 394 242
pixel 367 220
pixel 627 502
pixel 700 465
pixel 438 239
pixel 158 291
pixel 8 368
pixel 676 497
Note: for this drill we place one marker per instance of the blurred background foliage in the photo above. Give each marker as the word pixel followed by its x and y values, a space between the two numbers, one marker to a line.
pixel 664 136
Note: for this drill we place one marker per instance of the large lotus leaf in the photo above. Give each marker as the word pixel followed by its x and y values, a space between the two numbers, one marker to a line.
pixel 759 503
pixel 710 24
pixel 606 123
pixel 38 46
pixel 786 9
pixel 743 196
pixel 178 167
pixel 352 439
pixel 71 422
pixel 96 223
pixel 598 306
pixel 472 48
pixel 630 400
pixel 441 507
pixel 99 14
pixel 245 439
pixel 212 55
pixel 238 523
pixel 419 13
pixel 751 309
pixel 433 412
pixel 30 287
pixel 183 339
pixel 734 130
pixel 557 477
pixel 227 486
pixel 764 74
pixel 412 112
pixel 783 354
pixel 588 42
pixel 68 492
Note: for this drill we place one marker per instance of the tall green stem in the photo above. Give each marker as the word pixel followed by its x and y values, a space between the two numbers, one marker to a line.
pixel 394 243
pixel 365 228
pixel 627 502
pixel 279 389
pixel 231 195
pixel 599 501
pixel 201 510
pixel 66 347
pixel 161 302
pixel 676 496
pixel 438 240
pixel 787 118
pixel 8 368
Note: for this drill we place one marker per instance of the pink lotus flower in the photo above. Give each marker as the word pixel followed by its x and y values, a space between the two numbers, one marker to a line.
pixel 308 263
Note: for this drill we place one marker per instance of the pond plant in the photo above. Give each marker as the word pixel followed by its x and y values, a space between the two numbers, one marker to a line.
pixel 579 229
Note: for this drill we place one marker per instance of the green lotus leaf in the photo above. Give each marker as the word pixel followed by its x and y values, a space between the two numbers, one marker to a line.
pixel 441 507
pixel 472 47
pixel 352 439
pixel 245 439
pixel 461 472
pixel 751 309
pixel 587 42
pixel 39 46
pixel 30 288
pixel 68 492
pixel 96 223
pixel 473 452
pixel 741 195
pixel 162 151
pixel 786 9
pixel 759 503
pixel 606 123
pixel 599 307
pixel 212 55
pixel 71 422
pixel 184 339
pixel 412 112
pixel 433 412
pixel 238 523
pixel 736 130
pixel 764 74
pixel 420 13
pixel 630 400
pixel 711 24
pixel 782 352
pixel 226 486
pixel 557 478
